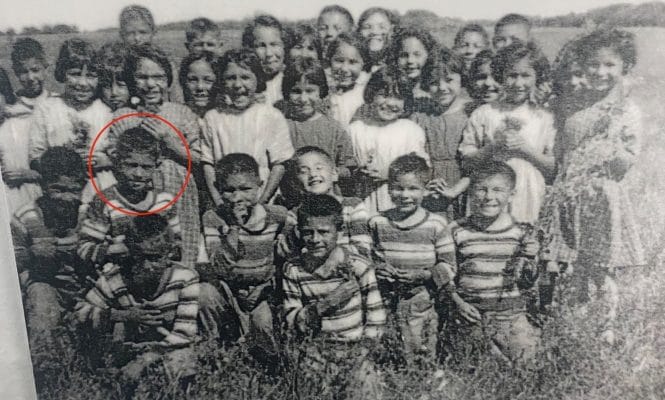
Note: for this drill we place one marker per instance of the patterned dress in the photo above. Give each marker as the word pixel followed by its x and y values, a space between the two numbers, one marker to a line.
pixel 589 216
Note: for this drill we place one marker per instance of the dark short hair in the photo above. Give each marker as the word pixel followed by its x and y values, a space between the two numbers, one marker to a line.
pixel 475 28
pixel 303 70
pixel 147 226
pixel 353 40
pixel 446 62
pixel 409 164
pixel 507 57
pixel 487 167
pixel 621 42
pixel 150 52
pixel 512 19
pixel 265 21
pixel 299 33
pixel 111 58
pixel 60 161
pixel 336 9
pixel 313 150
pixel 136 140
pixel 6 89
pixel 74 53
pixel 133 12
pixel 235 163
pixel 186 62
pixel 200 26
pixel 320 205
pixel 385 82
pixel 246 59
pixel 25 49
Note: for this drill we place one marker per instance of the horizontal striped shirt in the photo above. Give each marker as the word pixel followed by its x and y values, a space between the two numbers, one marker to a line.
pixel 420 242
pixel 482 259
pixel 254 258
pixel 177 297
pixel 363 316
pixel 103 223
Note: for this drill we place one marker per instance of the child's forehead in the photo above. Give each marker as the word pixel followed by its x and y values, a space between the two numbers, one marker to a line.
pixel 409 177
pixel 334 15
pixel 212 35
pixel 318 221
pixel 313 158
pixel 493 179
pixel 241 177
pixel 513 29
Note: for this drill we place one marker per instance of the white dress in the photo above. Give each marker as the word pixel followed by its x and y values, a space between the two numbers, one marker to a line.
pixel 344 105
pixel 377 146
pixel 273 92
pixel 536 128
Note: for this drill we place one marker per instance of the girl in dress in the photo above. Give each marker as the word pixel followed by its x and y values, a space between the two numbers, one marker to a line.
pixel 376 26
pixel 413 53
pixel 241 124
pixel 591 222
pixel 148 72
pixel 381 137
pixel 515 130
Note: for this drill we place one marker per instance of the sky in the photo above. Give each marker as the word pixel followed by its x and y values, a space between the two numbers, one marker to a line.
pixel 96 14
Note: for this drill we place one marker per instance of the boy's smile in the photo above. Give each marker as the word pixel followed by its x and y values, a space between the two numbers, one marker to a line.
pixel 491 196
pixel 407 192
pixel 319 235
pixel 346 65
pixel 240 194
pixel 304 98
pixel 315 173
pixel 134 173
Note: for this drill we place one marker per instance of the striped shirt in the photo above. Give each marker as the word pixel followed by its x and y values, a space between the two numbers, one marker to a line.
pixel 421 241
pixel 254 258
pixel 177 297
pixel 482 258
pixel 363 316
pixel 103 223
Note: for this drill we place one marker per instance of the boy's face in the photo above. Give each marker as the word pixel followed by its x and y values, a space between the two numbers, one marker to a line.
pixel 136 32
pixel 135 171
pixel 206 41
pixel 407 192
pixel 269 48
pixel 31 74
pixel 304 99
pixel 330 25
pixel 240 192
pixel 240 85
pixel 319 235
pixel 470 44
pixel 115 95
pixel 346 65
pixel 449 87
pixel 520 81
pixel 491 196
pixel 200 81
pixel 509 34
pixel 387 108
pixel 81 84
pixel 316 174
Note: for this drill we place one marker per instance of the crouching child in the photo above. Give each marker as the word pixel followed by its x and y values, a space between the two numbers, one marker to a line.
pixel 332 298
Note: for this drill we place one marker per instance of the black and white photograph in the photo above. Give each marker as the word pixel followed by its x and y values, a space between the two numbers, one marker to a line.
pixel 394 200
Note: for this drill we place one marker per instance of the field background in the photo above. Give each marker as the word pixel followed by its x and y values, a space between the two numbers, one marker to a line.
pixel 577 367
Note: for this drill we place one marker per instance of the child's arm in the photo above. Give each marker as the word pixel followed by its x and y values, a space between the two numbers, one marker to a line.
pixel 358 230
pixel 276 174
pixel 93 242
pixel 296 317
pixel 185 325
pixel 279 148
pixel 38 142
pixel 473 145
pixel 209 175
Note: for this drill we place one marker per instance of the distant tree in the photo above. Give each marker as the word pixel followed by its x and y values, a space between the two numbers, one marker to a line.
pixel 31 30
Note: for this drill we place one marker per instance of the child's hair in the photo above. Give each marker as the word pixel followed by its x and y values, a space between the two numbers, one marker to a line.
pixel 508 56
pixel 392 17
pixel 150 52
pixel 60 161
pixel 266 21
pixel 512 19
pixel 313 150
pixel 445 62
pixel 384 82
pixel 200 26
pixel 135 12
pixel 6 87
pixel 621 42
pixel 25 49
pixel 235 163
pixel 423 36
pixel 311 72
pixel 136 140
pixel 111 59
pixel 409 164
pixel 302 31
pixel 74 53
pixel 246 59
pixel 568 56
pixel 489 167
pixel 475 28
pixel 336 9
pixel 353 40
pixel 320 205
pixel 186 62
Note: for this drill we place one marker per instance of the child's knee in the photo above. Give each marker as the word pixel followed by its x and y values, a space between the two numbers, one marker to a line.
pixel 43 306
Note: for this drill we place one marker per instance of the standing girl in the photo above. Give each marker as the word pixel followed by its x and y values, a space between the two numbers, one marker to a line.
pixel 376 26
pixel 241 124
pixel 381 137
pixel 514 130
pixel 413 52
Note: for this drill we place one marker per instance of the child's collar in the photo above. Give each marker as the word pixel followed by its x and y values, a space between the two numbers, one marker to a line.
pixel 413 220
pixel 502 222
pixel 143 205
pixel 330 266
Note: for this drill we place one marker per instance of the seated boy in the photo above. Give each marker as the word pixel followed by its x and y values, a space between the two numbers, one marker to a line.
pixel 240 237
pixel 203 35
pixel 44 234
pixel 331 293
pixel 105 225
pixel 147 303
pixel 409 243
pixel 495 258
pixel 317 174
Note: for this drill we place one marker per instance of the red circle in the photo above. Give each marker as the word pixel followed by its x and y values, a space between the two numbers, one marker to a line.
pixel 182 188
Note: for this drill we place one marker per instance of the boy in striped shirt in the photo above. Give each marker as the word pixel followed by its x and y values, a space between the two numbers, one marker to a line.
pixel 104 227
pixel 240 237
pixel 317 174
pixel 409 242
pixel 147 303
pixel 331 294
pixel 495 258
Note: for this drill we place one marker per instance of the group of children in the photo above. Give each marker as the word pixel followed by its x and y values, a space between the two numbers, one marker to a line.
pixel 352 183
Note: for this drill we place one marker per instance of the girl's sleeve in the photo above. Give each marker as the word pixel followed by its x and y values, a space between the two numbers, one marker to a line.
pixel 549 134
pixel 192 131
pixel 38 142
pixel 207 138
pixel 420 142
pixel 277 138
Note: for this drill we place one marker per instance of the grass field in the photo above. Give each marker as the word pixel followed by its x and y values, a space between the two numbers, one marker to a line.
pixel 576 365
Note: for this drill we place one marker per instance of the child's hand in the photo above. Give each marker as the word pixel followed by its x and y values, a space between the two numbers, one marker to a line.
pixel 18 177
pixel 337 298
pixel 282 246
pixel 117 250
pixel 44 248
pixel 412 277
pixel 440 187
pixel 468 312
pixel 371 172
pixel 156 128
pixel 386 272
pixel 138 314
pixel 144 346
